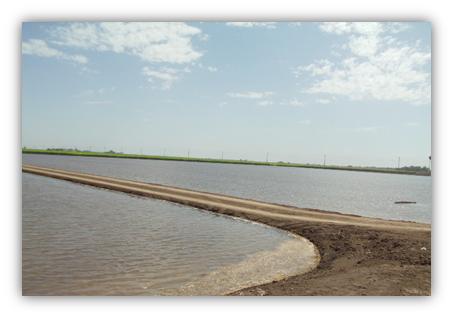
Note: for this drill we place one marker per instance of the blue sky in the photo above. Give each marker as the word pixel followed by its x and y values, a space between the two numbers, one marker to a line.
pixel 357 92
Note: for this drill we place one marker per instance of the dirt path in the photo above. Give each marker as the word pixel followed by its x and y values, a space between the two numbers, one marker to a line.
pixel 359 255
pixel 213 202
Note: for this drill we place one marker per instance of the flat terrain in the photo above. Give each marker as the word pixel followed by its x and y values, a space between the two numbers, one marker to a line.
pixel 225 161
pixel 357 261
pixel 359 255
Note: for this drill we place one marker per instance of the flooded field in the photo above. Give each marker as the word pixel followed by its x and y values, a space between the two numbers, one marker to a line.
pixel 361 193
pixel 80 240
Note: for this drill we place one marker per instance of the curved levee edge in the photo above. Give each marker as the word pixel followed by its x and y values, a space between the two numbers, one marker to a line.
pixel 242 218
pixel 317 254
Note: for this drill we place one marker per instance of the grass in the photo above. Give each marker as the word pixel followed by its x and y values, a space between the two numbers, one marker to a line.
pixel 225 161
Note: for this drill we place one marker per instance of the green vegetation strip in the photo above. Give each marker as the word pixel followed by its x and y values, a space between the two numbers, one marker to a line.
pixel 111 154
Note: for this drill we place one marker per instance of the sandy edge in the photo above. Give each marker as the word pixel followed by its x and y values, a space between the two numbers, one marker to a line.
pixel 359 255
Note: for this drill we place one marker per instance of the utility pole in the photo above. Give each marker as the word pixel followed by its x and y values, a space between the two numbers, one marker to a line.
pixel 188 154
pixel 324 160
pixel 430 163
pixel 267 157
pixel 164 151
pixel 399 159
pixel 222 155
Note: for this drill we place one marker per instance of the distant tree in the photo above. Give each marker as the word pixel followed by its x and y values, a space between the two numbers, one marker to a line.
pixel 416 170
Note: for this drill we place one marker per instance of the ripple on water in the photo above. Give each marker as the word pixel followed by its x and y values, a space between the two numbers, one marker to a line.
pixel 79 240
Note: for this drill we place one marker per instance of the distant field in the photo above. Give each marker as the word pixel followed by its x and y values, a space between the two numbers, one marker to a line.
pixel 226 161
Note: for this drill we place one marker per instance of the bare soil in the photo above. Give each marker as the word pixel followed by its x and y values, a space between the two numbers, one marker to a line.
pixel 358 261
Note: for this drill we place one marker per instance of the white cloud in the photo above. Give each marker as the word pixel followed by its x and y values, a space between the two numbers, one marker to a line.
pixel 40 48
pixel 364 45
pixel 323 101
pixel 95 93
pixel 98 96
pixel 106 90
pixel 396 27
pixel 379 66
pixel 296 102
pixel 293 102
pixel 365 28
pixel 268 25
pixel 265 103
pixel 336 27
pixel 211 69
pixel 169 42
pixel 166 76
pixel 204 37
pixel 251 95
pixel 320 67
pixel 77 58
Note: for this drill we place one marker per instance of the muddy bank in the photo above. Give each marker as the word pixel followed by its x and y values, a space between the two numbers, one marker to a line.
pixel 357 261
pixel 359 255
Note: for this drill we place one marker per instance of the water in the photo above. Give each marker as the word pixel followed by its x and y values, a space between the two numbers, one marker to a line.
pixel 361 193
pixel 81 240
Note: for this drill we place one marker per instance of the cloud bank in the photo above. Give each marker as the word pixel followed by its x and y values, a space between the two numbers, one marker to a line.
pixel 268 25
pixel 168 42
pixel 377 65
pixel 40 48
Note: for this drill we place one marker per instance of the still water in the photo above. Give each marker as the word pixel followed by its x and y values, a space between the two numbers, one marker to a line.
pixel 81 240
pixel 361 193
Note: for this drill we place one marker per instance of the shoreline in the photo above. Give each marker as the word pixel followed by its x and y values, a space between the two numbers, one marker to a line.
pixel 359 255
pixel 356 261
pixel 223 161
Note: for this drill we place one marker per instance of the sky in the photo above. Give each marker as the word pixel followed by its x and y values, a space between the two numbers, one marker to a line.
pixel 356 93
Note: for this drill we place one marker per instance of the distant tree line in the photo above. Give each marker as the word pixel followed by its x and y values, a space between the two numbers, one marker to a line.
pixel 415 168
pixel 79 150
pixel 64 149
